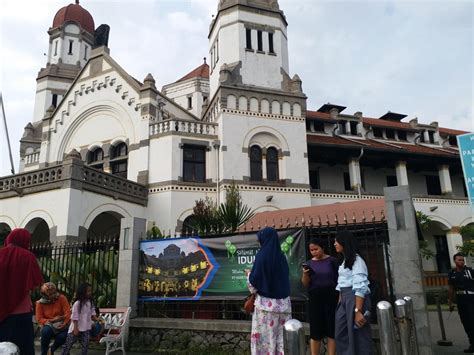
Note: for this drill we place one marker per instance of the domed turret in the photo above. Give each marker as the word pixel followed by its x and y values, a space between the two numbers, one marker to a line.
pixel 74 13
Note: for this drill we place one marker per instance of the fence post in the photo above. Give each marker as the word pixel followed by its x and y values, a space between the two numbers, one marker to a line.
pixel 411 318
pixel 386 328
pixel 403 326
pixel 293 338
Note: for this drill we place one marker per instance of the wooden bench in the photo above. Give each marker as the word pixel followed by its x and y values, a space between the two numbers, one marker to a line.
pixel 115 328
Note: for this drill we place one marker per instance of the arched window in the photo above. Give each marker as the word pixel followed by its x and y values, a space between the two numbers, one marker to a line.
pixel 255 163
pixel 272 165
pixel 118 159
pixel 95 158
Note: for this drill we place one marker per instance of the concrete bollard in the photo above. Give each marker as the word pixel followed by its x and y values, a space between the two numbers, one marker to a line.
pixel 386 328
pixel 403 326
pixel 293 337
pixel 8 348
pixel 411 316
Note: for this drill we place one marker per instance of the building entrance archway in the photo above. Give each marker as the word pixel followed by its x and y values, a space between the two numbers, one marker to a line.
pixel 4 231
pixel 39 230
pixel 106 224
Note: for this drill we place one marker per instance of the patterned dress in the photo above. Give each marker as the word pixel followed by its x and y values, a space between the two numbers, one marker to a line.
pixel 267 324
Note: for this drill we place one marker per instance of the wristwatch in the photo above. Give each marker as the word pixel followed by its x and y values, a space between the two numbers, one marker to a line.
pixel 356 310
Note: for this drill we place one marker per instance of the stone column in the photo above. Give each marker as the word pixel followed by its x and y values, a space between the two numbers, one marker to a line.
pixel 402 175
pixel 454 239
pixel 445 180
pixel 131 230
pixel 405 260
pixel 354 174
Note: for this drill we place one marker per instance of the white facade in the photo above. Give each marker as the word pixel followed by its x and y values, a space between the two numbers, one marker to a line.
pixel 179 153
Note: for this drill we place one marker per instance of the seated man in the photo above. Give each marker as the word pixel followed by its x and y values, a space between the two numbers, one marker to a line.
pixel 53 314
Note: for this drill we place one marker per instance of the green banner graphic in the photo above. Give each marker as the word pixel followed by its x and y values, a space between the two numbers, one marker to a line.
pixel 203 268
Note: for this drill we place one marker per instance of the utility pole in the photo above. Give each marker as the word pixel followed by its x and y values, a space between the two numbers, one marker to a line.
pixel 6 132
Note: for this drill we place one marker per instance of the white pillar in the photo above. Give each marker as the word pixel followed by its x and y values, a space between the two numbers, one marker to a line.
pixel 445 179
pixel 354 174
pixel 401 170
pixel 454 239
pixel 131 230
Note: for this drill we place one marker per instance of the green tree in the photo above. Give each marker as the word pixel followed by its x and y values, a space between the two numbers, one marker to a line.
pixel 234 213
pixel 467 248
pixel 424 223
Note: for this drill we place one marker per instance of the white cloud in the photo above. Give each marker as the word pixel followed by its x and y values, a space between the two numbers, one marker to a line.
pixel 415 57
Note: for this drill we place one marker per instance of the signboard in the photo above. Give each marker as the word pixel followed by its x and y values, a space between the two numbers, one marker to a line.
pixel 466 151
pixel 196 268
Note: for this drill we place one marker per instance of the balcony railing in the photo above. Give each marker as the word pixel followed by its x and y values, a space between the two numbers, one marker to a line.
pixel 183 126
pixel 73 173
pixel 32 158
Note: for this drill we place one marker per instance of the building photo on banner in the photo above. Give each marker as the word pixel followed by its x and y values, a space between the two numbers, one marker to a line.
pixel 150 141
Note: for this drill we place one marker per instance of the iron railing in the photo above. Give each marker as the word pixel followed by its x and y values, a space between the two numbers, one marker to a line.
pixel 69 264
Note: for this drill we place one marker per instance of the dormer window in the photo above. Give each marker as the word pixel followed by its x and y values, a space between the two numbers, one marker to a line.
pixel 353 128
pixel 453 141
pixel 342 127
pixel 402 135
pixel 378 132
pixel 431 137
pixel 390 134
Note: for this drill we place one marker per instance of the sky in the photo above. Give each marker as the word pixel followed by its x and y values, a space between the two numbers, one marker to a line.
pixel 410 57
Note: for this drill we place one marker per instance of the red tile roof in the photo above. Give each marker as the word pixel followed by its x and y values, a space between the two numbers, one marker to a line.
pixel 353 212
pixel 450 131
pixel 319 115
pixel 388 124
pixel 75 13
pixel 201 71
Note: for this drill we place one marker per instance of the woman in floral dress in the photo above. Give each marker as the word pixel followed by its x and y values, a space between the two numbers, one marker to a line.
pixel 269 279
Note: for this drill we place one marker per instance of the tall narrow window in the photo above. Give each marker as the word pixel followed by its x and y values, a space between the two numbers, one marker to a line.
pixel 259 41
pixel 314 179
pixel 248 38
pixel 402 135
pixel 378 132
pixel 255 163
pixel 270 43
pixel 70 46
pixel 85 52
pixel 390 133
pixel 194 163
pixel 118 160
pixel 54 102
pixel 56 48
pixel 433 185
pixel 95 159
pixel 190 102
pixel 431 136
pixel 272 165
pixel 347 182
pixel 353 125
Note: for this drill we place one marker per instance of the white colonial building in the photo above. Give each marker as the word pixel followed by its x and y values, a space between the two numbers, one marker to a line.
pixel 102 145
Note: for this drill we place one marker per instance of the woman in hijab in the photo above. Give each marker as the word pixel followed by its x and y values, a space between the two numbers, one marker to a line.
pixel 19 274
pixel 53 314
pixel 269 279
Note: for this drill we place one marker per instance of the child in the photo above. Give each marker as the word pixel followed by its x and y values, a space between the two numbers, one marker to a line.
pixel 83 311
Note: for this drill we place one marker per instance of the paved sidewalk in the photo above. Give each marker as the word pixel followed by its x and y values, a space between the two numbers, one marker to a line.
pixel 454 332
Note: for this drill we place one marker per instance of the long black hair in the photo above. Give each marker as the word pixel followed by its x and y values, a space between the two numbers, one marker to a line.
pixel 81 295
pixel 349 243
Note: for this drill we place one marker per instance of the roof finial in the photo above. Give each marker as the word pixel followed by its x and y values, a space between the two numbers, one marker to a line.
pixel 77 2
pixel 204 60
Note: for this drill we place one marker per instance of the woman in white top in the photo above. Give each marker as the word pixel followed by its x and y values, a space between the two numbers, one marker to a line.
pixel 353 335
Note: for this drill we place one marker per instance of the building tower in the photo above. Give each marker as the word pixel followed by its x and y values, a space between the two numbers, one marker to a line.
pixel 71 39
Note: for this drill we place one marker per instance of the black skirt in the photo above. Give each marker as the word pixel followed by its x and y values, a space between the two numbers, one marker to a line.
pixel 18 329
pixel 322 311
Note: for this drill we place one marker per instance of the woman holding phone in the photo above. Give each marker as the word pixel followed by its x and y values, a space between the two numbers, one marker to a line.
pixel 320 278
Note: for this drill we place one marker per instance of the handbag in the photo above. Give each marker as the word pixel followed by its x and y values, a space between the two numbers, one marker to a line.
pixel 249 303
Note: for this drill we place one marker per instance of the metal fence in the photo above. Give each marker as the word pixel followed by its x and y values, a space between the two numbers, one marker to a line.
pixel 69 264
pixel 373 243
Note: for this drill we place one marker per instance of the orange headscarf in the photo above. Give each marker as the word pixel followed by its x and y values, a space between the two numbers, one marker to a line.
pixel 19 271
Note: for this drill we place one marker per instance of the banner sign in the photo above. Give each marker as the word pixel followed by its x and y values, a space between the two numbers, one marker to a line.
pixel 199 268
pixel 466 151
